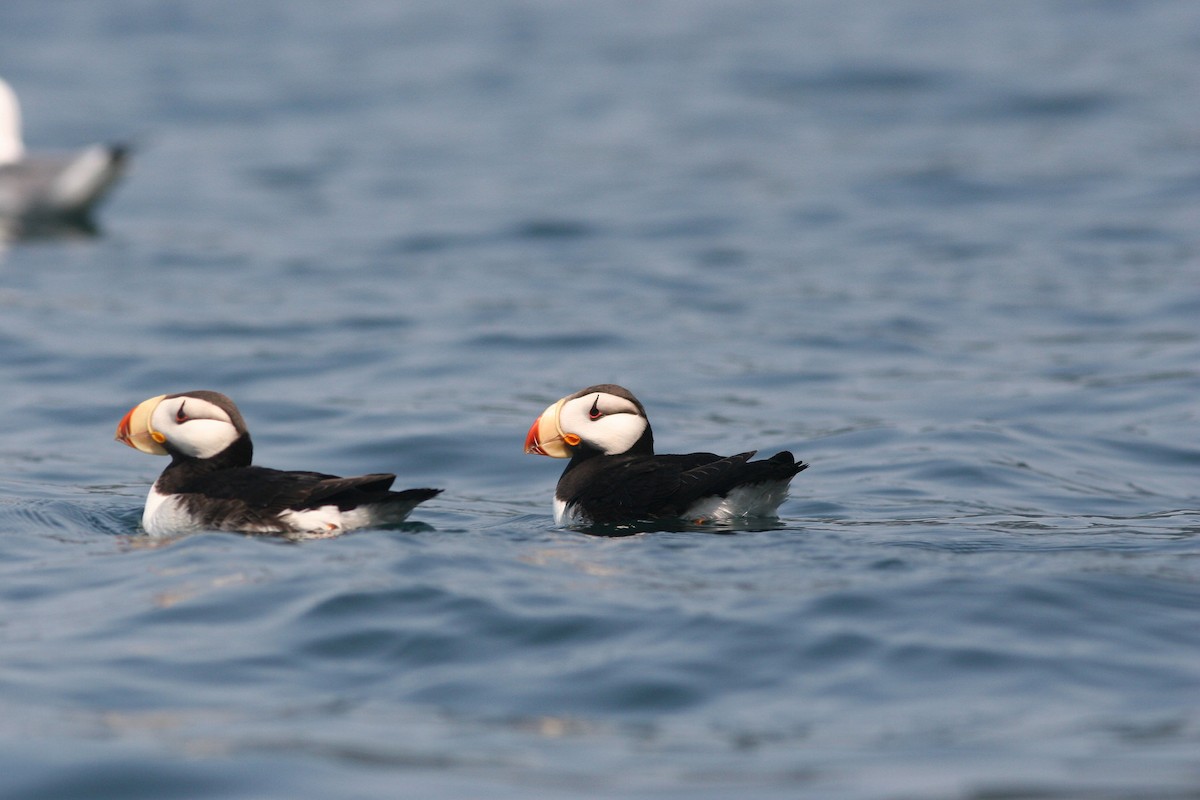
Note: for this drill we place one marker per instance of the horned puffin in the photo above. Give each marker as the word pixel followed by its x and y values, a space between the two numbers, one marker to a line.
pixel 615 477
pixel 210 483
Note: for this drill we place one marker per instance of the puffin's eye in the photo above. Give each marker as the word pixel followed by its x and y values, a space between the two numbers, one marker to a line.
pixel 180 416
pixel 595 412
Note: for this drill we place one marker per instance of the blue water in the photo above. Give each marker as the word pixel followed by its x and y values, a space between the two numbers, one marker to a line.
pixel 946 252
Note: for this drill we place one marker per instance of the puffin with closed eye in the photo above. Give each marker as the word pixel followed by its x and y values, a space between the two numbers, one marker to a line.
pixel 615 477
pixel 210 483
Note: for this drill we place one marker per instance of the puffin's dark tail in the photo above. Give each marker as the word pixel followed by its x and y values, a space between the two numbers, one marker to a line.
pixel 789 466
pixel 396 505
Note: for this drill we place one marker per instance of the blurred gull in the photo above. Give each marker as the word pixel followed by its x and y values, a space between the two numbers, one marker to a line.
pixel 50 187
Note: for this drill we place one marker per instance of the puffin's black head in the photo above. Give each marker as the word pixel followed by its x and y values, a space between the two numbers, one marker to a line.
pixel 603 419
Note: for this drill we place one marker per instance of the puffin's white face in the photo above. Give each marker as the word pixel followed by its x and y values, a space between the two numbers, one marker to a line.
pixel 190 425
pixel 606 422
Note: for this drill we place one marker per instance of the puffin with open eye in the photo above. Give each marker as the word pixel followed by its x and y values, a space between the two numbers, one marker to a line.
pixel 614 476
pixel 210 483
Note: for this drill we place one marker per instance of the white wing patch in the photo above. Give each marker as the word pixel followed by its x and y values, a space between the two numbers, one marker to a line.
pixel 744 502
pixel 752 501
pixel 329 521
pixel 313 520
pixel 165 514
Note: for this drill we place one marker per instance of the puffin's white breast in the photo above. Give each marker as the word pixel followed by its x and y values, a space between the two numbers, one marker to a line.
pixel 165 514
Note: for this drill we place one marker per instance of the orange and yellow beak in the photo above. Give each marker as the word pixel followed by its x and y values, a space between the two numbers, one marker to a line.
pixel 546 436
pixel 135 429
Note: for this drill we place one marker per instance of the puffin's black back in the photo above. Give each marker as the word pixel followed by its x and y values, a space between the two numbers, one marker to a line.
pixel 249 497
pixel 623 487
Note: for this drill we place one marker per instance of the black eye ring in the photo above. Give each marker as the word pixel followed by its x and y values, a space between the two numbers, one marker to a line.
pixel 180 416
pixel 595 413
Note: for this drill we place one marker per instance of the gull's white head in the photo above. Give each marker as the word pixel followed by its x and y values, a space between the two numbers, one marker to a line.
pixel 12 149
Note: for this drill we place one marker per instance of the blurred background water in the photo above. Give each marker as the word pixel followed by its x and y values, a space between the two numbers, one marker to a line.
pixel 945 252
